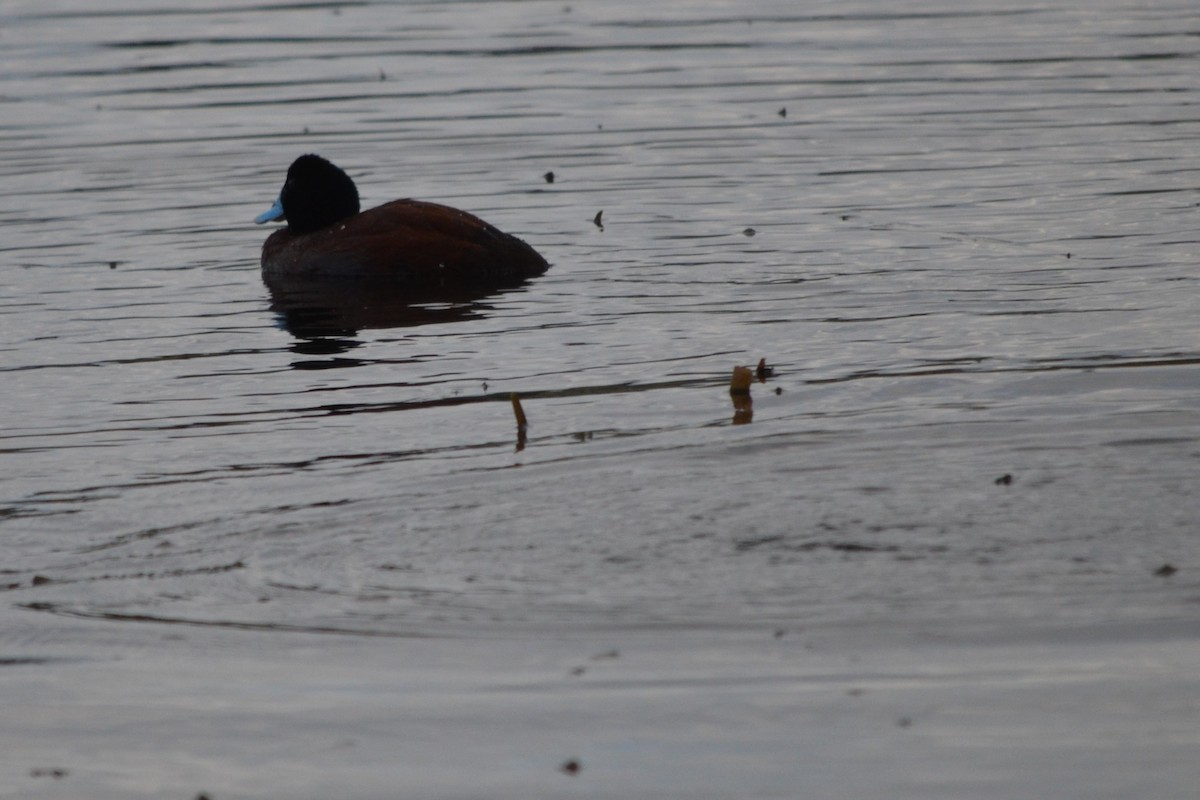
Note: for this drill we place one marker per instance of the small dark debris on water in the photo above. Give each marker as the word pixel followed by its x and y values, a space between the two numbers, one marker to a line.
pixel 549 176
pixel 778 390
pixel 1068 255
pixel 1004 480
pixel 783 112
pixel 1166 571
pixel 780 633
pixel 606 654
pixel 49 772
pixel 577 671
pixel 596 220
pixel 571 767
pixel 905 722
pixel 112 265
pixel 40 580
pixel 382 75
pixel 749 232
pixel 203 796
pixel 763 371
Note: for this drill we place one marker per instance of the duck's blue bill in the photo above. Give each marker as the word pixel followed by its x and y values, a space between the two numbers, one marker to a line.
pixel 273 213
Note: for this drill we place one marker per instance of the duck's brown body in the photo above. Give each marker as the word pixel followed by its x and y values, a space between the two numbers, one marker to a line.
pixel 408 242
pixel 425 248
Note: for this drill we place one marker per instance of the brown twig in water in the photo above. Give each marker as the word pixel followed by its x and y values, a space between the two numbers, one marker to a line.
pixel 741 380
pixel 522 421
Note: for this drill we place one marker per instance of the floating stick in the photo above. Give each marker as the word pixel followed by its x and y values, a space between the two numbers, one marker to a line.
pixel 739 393
pixel 522 422
pixel 741 380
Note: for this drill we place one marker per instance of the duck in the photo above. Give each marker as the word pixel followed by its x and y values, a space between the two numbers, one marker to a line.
pixel 412 244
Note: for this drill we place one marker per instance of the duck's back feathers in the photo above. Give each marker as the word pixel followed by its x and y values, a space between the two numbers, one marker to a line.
pixel 409 242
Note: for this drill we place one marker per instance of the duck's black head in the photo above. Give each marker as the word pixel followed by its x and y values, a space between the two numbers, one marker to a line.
pixel 315 195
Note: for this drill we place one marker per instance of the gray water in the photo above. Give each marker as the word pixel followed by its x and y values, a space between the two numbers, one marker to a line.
pixel 256 558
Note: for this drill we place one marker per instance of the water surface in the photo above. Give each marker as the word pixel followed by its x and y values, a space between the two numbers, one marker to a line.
pixel 963 234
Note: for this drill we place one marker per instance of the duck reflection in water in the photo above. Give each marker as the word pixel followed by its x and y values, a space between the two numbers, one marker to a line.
pixel 335 270
pixel 338 311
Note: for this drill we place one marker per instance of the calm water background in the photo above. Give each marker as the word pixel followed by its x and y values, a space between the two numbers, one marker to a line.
pixel 963 233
